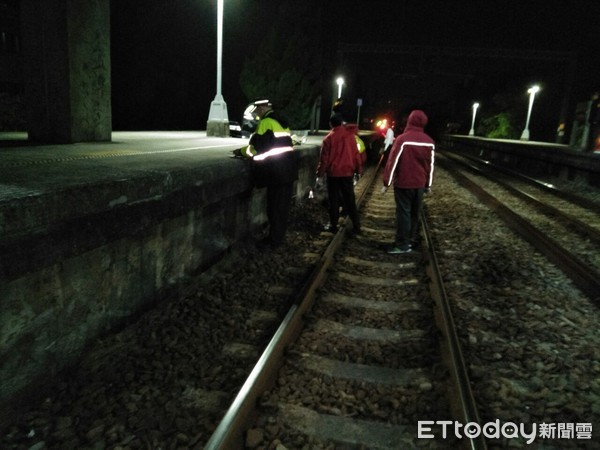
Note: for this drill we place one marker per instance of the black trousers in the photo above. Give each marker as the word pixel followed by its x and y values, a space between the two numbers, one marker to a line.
pixel 341 190
pixel 408 209
pixel 279 200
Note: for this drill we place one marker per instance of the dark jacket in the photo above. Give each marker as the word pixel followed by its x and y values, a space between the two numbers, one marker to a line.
pixel 339 154
pixel 410 164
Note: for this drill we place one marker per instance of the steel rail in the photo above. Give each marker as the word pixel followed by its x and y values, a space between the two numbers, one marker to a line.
pixel 229 432
pixel 464 405
pixel 585 278
pixel 568 196
pixel 463 401
pixel 583 227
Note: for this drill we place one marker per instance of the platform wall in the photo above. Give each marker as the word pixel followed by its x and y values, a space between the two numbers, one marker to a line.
pixel 81 276
pixel 531 158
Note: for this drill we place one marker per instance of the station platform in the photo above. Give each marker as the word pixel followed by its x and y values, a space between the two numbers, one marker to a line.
pixel 536 159
pixel 91 234
pixel 37 180
pixel 133 167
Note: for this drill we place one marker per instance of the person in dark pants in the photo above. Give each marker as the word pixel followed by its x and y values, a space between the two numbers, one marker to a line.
pixel 409 169
pixel 275 167
pixel 340 160
pixel 408 209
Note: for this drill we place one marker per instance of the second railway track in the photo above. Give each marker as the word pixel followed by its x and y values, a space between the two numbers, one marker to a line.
pixel 570 242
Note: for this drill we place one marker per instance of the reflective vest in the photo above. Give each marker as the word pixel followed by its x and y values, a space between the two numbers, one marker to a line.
pixel 360 144
pixel 271 149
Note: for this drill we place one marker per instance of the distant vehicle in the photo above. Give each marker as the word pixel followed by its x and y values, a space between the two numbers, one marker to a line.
pixel 235 129
pixel 248 126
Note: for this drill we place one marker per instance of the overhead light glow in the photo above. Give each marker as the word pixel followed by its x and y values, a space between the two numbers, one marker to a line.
pixel 340 83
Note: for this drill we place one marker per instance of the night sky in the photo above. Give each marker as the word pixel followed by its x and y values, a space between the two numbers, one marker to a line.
pixel 164 55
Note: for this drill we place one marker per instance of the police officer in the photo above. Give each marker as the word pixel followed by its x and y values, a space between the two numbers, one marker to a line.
pixel 274 167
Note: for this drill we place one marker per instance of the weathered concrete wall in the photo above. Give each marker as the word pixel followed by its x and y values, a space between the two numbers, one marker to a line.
pixel 531 158
pixel 66 48
pixel 83 275
pixel 90 70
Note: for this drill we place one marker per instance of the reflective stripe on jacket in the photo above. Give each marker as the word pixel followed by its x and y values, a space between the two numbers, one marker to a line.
pixel 411 160
pixel 411 166
pixel 272 153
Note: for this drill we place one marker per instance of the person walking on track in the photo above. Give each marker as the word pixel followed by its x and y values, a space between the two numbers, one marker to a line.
pixel 409 169
pixel 340 160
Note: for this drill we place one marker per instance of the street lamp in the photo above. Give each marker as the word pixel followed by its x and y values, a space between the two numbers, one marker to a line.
pixel 472 131
pixel 531 91
pixel 340 83
pixel 218 120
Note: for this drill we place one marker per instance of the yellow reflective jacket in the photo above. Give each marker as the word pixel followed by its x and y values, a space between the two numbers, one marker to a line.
pixel 271 149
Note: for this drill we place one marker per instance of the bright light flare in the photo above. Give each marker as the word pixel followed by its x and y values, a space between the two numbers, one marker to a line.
pixel 472 130
pixel 382 124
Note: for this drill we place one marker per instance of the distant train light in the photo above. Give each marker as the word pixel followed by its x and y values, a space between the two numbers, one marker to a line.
pixel 382 124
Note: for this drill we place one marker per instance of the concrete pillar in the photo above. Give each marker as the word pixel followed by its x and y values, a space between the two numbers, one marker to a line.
pixel 66 49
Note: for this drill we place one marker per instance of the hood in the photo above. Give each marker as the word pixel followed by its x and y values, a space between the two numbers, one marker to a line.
pixel 417 119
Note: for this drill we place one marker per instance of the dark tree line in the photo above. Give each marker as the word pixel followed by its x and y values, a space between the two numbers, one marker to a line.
pixel 286 66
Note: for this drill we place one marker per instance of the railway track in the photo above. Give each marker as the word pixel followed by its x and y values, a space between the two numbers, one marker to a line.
pixel 525 329
pixel 568 234
pixel 187 373
pixel 169 379
pixel 367 351
pixel 517 178
pixel 578 213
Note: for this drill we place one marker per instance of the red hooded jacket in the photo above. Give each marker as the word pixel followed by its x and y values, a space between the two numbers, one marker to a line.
pixel 410 164
pixel 339 155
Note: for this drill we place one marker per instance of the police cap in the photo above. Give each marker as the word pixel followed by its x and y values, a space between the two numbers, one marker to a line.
pixel 264 102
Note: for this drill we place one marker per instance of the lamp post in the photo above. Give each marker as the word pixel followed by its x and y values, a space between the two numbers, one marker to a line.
pixel 472 130
pixel 531 91
pixel 340 83
pixel 218 120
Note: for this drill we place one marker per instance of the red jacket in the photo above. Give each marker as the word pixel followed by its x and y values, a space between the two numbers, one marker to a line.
pixel 339 154
pixel 410 164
